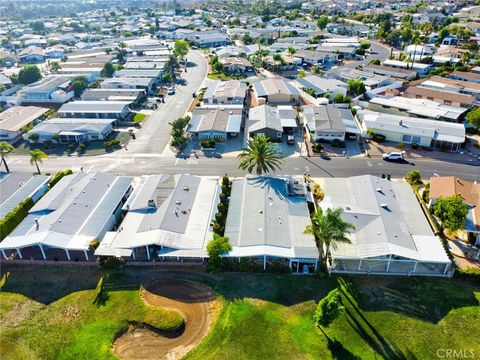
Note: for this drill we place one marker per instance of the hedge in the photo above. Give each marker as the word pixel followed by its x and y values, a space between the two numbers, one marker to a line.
pixel 15 217
pixel 56 178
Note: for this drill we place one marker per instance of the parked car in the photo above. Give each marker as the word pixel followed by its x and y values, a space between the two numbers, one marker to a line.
pixel 291 140
pixel 170 90
pixel 393 156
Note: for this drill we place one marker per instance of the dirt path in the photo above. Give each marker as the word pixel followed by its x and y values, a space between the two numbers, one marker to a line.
pixel 193 300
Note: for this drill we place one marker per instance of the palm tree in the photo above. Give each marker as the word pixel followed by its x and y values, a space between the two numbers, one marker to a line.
pixel 329 229
pixel 291 50
pixel 36 157
pixel 261 155
pixel 5 149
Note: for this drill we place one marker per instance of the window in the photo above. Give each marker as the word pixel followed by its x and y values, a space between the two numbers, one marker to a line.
pixel 279 134
pixel 416 139
pixel 407 138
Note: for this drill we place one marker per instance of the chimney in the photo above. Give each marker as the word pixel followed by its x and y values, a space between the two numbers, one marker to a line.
pixel 37 225
pixel 151 203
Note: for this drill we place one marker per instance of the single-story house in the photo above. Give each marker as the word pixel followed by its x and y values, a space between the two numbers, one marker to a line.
pixel 322 85
pixel 442 97
pixel 225 92
pixel 96 109
pixel 471 77
pixel 401 74
pixel 324 122
pixel 156 75
pixel 429 133
pixel 421 108
pixel 80 208
pixel 71 130
pixel 52 89
pixel 145 84
pixel 391 235
pixel 216 121
pixel 266 220
pixel 32 55
pixel 276 91
pixel 271 121
pixel 236 65
pixel 310 57
pixel 15 119
pixel 445 186
pixel 370 79
pixel 452 86
pixel 166 216
pixel 17 186
pixel 421 69
pixel 131 95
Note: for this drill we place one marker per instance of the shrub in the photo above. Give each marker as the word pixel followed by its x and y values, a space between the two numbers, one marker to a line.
pixel 413 177
pixel 58 176
pixel 415 146
pixel 338 143
pixel 208 143
pixel 400 145
pixel 318 148
pixel 109 262
pixel 15 217
pixel 426 193
pixel 111 143
pixel 378 138
pixel 328 309
pixel 216 247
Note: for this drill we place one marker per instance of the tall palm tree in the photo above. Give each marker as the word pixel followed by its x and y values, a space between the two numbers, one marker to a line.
pixel 5 149
pixel 36 157
pixel 291 50
pixel 329 230
pixel 260 155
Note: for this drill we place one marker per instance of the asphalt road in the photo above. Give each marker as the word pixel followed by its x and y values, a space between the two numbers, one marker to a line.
pixel 124 162
pixel 154 135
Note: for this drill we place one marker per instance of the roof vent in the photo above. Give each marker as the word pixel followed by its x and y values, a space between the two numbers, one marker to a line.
pixel 260 229
pixel 379 189
pixel 178 202
pixel 151 203
pixel 385 206
pixel 186 188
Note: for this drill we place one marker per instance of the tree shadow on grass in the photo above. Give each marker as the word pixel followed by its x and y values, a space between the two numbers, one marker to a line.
pixel 426 299
pixel 338 351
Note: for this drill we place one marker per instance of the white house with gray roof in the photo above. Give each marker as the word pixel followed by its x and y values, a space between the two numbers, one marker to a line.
pixel 95 109
pixel 17 186
pixel 391 235
pixel 216 121
pixel 225 92
pixel 325 122
pixel 80 208
pixel 442 135
pixel 167 216
pixel 266 220
pixel 271 121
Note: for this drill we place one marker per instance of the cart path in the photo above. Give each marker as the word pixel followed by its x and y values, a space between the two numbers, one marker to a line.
pixel 193 300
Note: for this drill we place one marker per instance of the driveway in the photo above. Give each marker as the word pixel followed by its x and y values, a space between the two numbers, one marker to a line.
pixel 154 135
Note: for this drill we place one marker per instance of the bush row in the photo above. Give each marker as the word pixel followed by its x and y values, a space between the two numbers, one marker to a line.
pixel 15 217
pixel 111 143
pixel 58 176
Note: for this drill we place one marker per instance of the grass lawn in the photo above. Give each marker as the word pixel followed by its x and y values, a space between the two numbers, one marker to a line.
pixel 224 77
pixel 138 118
pixel 265 316
pixel 75 326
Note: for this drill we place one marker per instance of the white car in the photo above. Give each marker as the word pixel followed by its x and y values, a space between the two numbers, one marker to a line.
pixel 170 90
pixel 393 156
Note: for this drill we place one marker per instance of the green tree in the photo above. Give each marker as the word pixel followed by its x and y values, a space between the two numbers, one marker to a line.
pixel 180 48
pixel 5 149
pixel 302 73
pixel 37 156
pixel 38 26
pixel 374 62
pixel 108 70
pixel 473 118
pixel 29 74
pixel 451 211
pixel 167 78
pixel 413 177
pixel 260 155
pixel 328 309
pixel 329 229
pixel 322 22
pixel 55 66
pixel 291 50
pixel 217 247
pixel 356 87
pixel 79 84
pixel 341 99
pixel 442 34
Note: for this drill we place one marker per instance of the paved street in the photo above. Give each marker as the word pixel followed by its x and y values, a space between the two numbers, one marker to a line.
pixel 138 164
pixel 153 137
